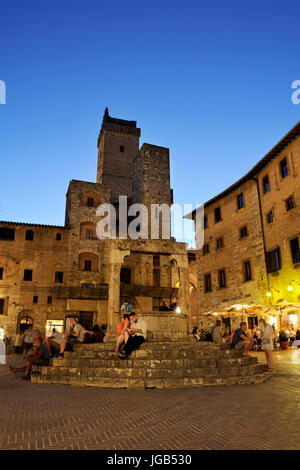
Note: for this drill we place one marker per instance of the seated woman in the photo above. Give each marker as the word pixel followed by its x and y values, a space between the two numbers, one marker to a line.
pixel 122 332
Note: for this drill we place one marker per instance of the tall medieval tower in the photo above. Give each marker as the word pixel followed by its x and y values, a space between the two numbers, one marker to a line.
pixel 118 145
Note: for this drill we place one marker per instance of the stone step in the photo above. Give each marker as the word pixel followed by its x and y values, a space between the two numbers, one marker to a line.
pixel 151 383
pixel 159 365
pixel 157 345
pixel 111 372
pixel 157 354
pixel 152 363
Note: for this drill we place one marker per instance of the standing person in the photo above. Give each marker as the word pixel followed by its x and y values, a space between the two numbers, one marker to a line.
pixel 217 335
pixel 74 336
pixel 267 338
pixel 126 307
pixel 137 335
pixel 28 340
pixel 241 340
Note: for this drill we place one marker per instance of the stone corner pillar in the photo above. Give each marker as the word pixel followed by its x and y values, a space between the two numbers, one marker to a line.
pixel 113 309
pixel 183 276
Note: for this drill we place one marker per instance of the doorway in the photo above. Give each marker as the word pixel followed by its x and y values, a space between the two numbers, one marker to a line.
pixel 25 322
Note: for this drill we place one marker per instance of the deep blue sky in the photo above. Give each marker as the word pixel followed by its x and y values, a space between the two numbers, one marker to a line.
pixel 210 80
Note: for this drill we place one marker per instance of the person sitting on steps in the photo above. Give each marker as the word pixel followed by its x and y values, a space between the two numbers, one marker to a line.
pixel 122 332
pixel 241 340
pixel 137 335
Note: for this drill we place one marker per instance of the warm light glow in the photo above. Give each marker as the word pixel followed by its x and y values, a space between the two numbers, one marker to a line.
pixel 1 334
pixel 293 318
pixel 178 310
pixel 273 320
pixel 269 294
pixel 215 314
pixel 290 288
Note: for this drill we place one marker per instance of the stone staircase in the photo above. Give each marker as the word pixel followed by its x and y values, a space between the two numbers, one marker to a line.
pixel 157 365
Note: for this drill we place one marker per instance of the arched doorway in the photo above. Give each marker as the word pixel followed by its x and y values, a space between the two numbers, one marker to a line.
pixel 25 319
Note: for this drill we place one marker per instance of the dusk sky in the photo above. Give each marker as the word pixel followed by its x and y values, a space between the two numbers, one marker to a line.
pixel 210 80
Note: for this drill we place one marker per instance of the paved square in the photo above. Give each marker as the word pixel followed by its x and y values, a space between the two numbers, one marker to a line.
pixel 264 416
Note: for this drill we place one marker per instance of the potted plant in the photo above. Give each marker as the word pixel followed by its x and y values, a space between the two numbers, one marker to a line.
pixel 283 340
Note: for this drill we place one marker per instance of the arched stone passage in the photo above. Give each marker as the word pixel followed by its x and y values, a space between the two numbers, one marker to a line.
pixel 25 318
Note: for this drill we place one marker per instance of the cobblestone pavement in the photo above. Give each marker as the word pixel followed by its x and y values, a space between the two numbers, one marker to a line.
pixel 264 416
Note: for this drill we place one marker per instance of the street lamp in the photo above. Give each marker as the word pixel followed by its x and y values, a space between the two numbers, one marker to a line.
pixel 269 294
pixel 290 287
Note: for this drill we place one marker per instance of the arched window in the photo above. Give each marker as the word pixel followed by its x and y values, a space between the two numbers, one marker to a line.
pixel 88 262
pixel 58 236
pixel 29 235
pixel 88 231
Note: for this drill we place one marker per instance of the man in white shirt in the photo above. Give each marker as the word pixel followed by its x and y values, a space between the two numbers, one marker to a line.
pixel 137 334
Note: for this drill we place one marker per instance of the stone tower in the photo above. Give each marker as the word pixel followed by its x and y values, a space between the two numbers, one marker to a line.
pixel 151 186
pixel 118 145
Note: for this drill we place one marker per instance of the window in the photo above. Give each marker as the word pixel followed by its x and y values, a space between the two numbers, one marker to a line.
pixel 205 249
pixel 247 271
pixel 222 278
pixel 122 148
pixel 156 260
pixel 59 276
pixel 125 276
pixel 27 275
pixel 90 202
pixel 217 214
pixel 7 233
pixel 270 217
pixel 156 278
pixel 220 243
pixel 1 273
pixel 35 299
pixel 205 224
pixel 29 235
pixel 273 260
pixel 207 283
pixel 240 201
pixel 295 250
pixel 89 234
pixel 2 306
pixel 49 299
pixel 87 286
pixel 266 184
pixel 243 232
pixel 58 236
pixel 290 203
pixel 87 265
pixel 284 168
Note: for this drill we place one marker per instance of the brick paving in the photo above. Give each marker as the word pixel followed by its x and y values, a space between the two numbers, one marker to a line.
pixel 264 416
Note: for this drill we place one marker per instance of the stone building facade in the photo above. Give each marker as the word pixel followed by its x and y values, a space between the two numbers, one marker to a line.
pixel 48 273
pixel 251 234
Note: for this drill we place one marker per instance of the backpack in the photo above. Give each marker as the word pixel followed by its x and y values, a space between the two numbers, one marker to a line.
pixel 128 308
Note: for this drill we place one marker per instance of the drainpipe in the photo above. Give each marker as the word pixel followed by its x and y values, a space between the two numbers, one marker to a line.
pixel 263 230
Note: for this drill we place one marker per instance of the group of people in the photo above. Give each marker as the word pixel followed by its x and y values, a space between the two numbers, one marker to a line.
pixel 131 332
pixel 241 340
pixel 38 351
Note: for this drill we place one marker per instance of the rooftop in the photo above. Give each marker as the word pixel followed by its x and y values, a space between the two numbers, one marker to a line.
pixel 291 135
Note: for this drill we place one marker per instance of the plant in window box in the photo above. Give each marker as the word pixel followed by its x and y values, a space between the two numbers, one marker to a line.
pixel 283 340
